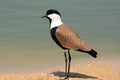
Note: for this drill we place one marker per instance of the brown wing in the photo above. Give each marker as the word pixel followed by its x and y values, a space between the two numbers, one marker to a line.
pixel 69 39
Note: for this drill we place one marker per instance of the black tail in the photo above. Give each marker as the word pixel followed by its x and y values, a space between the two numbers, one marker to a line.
pixel 93 53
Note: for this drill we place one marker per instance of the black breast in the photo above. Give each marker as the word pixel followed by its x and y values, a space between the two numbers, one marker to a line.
pixel 53 31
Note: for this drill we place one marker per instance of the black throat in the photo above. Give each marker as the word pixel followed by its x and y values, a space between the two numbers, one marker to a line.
pixel 49 20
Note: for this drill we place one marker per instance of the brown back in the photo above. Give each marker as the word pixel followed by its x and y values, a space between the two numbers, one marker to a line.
pixel 69 39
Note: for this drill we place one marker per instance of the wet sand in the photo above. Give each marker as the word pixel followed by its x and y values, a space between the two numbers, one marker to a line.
pixel 92 71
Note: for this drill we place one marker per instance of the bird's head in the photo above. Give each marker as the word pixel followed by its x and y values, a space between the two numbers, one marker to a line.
pixel 52 14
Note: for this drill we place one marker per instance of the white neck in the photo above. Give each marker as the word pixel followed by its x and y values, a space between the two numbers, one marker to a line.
pixel 55 23
pixel 55 20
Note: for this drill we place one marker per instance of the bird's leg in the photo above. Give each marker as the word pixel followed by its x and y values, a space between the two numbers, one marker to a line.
pixel 69 57
pixel 65 61
pixel 69 63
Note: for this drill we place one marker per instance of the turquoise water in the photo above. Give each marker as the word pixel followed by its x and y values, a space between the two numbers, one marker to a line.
pixel 25 43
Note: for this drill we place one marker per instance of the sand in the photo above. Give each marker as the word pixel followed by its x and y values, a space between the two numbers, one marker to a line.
pixel 92 71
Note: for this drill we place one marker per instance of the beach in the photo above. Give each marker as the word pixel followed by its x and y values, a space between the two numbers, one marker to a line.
pixel 27 51
pixel 91 71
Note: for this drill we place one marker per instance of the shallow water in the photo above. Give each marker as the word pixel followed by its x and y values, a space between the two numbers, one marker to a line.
pixel 25 43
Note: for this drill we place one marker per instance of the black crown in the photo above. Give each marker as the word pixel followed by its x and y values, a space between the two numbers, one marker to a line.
pixel 51 11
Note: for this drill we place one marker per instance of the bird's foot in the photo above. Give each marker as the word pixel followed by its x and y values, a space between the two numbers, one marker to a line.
pixel 66 78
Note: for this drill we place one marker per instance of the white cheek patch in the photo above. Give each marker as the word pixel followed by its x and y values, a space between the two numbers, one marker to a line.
pixel 55 20
pixel 53 16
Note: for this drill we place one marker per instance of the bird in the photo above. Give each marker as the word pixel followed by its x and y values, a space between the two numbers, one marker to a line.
pixel 66 38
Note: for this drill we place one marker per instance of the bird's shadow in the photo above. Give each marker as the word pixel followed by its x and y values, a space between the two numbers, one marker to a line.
pixel 73 75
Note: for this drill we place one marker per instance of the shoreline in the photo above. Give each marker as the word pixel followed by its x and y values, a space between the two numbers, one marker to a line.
pixel 98 70
pixel 54 66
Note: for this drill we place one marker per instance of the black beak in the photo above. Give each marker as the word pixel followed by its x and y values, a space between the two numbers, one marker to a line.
pixel 44 16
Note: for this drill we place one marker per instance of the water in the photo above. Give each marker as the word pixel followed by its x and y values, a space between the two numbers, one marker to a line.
pixel 25 43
